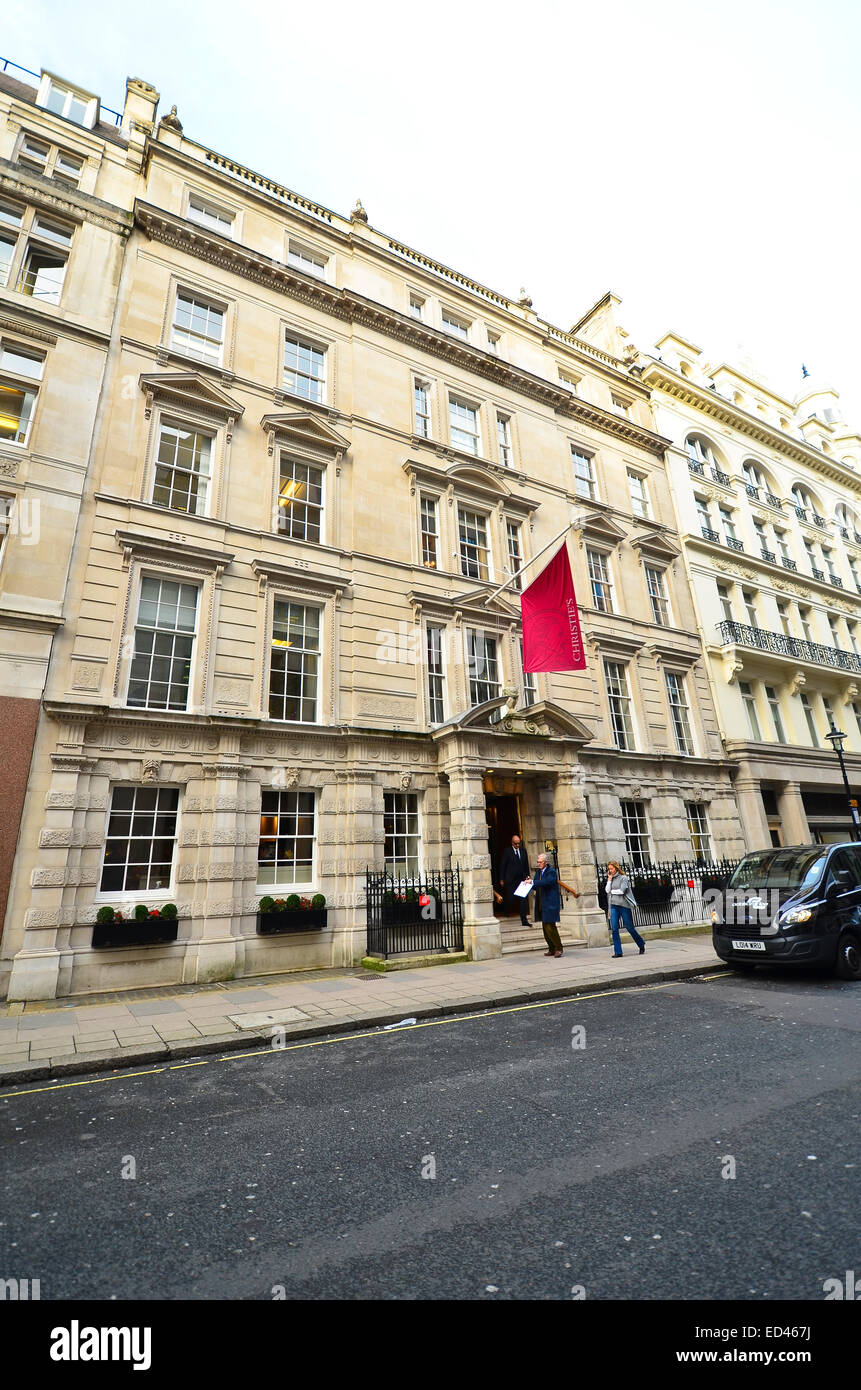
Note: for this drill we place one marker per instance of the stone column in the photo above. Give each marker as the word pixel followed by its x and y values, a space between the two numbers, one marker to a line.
pixel 35 970
pixel 586 921
pixel 348 845
pixel 220 868
pixel 792 815
pixel 481 935
pixel 752 812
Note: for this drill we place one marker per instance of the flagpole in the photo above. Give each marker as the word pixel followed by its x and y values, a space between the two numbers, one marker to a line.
pixel 517 573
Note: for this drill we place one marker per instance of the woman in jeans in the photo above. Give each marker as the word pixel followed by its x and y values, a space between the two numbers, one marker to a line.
pixel 620 900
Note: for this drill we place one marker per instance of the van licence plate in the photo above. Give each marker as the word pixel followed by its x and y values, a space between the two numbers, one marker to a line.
pixel 748 945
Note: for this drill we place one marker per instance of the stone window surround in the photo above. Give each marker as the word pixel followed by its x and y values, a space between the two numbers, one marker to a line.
pixel 212 291
pixel 277 580
pixel 451 487
pixel 281 889
pixel 136 895
pixel 220 204
pixel 173 557
pixel 323 342
pixel 26 236
pixel 192 400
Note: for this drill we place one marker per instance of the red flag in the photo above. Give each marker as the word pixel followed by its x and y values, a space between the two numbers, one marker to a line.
pixel 551 623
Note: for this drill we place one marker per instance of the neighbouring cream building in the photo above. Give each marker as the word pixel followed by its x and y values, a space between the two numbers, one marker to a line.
pixel 66 192
pixel 768 503
pixel 311 455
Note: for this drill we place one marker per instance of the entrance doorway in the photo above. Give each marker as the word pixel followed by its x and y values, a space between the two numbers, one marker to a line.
pixel 502 814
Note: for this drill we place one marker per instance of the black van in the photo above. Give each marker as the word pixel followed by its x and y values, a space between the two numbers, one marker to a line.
pixel 798 905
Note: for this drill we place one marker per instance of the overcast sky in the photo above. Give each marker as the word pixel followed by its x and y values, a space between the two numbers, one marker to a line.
pixel 699 159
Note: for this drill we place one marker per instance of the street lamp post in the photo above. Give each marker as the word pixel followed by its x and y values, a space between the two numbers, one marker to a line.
pixel 837 739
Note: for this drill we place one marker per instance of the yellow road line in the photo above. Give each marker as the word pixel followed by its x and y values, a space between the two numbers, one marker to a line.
pixel 380 1031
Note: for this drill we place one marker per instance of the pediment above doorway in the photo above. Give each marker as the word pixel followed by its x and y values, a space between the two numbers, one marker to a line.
pixel 502 717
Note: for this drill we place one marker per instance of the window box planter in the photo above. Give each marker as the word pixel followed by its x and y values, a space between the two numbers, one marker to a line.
pixel 292 920
pixel 291 914
pixel 137 926
pixel 153 931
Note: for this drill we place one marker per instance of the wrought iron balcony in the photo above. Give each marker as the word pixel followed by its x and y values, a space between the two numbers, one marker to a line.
pixel 752 491
pixel 772 501
pixel 836 580
pixel 769 555
pixel 820 521
pixel 801 513
pixel 696 468
pixel 721 477
pixel 817 574
pixel 791 565
pixel 709 534
pixel 844 534
pixel 857 538
pixel 793 647
pixel 733 543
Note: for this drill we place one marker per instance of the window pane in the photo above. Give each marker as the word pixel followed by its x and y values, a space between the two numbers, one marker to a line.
pixel 136 858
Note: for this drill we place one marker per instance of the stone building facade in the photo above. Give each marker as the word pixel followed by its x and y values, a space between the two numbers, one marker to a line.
pixel 316 455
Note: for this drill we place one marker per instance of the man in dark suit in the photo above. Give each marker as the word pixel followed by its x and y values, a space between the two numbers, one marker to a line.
pixel 513 869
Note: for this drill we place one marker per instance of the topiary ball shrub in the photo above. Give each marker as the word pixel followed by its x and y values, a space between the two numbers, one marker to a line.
pixel 141 912
pixel 105 915
pixel 267 904
pixel 170 911
pixel 318 901
pixel 292 902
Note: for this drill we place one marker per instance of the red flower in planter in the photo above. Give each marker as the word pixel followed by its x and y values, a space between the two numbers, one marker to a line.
pixel 691 883
pixel 155 912
pixel 424 900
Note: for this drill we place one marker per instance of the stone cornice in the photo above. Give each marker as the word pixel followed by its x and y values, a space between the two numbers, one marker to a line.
pixel 27 330
pixel 393 252
pixel 351 307
pixel 151 545
pixel 658 375
pixel 23 620
pixel 67 202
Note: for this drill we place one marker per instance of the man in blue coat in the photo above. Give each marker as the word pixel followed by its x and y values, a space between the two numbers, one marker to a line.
pixel 548 883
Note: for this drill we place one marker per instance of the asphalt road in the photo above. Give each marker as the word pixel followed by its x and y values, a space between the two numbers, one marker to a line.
pixel 548 1166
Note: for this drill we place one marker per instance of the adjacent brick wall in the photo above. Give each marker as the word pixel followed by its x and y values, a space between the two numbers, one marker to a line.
pixel 18 720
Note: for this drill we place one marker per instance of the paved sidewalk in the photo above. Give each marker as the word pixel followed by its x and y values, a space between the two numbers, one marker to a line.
pixel 62 1037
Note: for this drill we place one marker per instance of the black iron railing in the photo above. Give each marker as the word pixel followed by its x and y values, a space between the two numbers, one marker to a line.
pixel 788 564
pixel 734 544
pixel 817 573
pixel 801 513
pixel 696 468
pixel 773 501
pixel 721 477
pixel 795 647
pixel 769 555
pixel 670 893
pixel 837 581
pixel 820 521
pixel 415 912
pixel 752 491
pixel 709 534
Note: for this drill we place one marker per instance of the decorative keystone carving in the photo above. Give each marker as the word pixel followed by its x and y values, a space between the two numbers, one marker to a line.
pixel 150 769
pixel 797 681
pixel 406 781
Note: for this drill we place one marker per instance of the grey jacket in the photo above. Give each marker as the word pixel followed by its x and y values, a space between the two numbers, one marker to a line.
pixel 619 891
